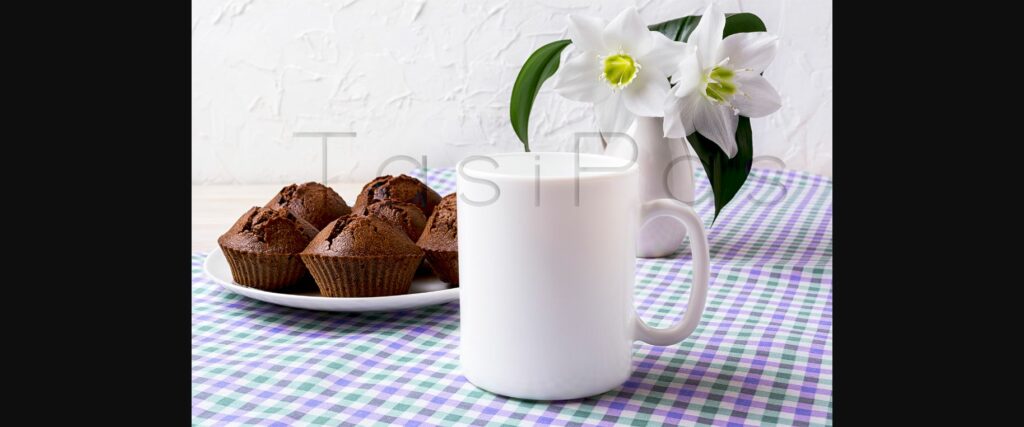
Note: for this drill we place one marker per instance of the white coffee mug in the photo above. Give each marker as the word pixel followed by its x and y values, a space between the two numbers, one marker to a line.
pixel 547 246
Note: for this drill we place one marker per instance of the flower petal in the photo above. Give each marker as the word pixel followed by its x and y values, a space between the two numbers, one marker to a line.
pixel 587 33
pixel 718 123
pixel 612 116
pixel 687 76
pixel 750 50
pixel 579 79
pixel 757 98
pixel 666 55
pixel 628 32
pixel 645 96
pixel 679 113
pixel 708 35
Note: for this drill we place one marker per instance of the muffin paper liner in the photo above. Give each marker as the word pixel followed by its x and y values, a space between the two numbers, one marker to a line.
pixel 268 272
pixel 445 264
pixel 362 276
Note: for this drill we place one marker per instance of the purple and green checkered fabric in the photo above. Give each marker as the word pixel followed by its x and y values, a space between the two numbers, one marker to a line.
pixel 761 355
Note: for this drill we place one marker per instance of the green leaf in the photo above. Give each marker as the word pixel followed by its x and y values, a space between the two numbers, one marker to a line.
pixel 726 175
pixel 742 23
pixel 538 67
pixel 679 29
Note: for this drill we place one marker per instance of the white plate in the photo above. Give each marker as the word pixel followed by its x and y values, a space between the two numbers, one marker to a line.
pixel 425 291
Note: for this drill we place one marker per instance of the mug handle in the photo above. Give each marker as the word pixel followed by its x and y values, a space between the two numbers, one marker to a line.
pixel 701 274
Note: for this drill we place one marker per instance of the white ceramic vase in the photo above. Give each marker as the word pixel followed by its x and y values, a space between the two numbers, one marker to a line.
pixel 666 171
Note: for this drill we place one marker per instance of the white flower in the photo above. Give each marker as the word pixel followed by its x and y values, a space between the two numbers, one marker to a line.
pixel 621 67
pixel 722 80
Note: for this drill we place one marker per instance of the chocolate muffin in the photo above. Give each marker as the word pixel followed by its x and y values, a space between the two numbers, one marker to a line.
pixel 362 256
pixel 440 241
pixel 400 188
pixel 314 202
pixel 262 248
pixel 406 216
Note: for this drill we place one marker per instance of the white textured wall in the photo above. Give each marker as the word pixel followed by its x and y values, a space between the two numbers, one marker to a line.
pixel 433 77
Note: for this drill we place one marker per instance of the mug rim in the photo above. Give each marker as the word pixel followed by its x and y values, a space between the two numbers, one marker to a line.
pixel 497 174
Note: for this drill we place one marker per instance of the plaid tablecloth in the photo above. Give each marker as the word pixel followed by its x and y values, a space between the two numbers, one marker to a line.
pixel 761 355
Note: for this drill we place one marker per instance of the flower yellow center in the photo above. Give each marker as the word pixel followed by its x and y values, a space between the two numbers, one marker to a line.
pixel 720 84
pixel 620 70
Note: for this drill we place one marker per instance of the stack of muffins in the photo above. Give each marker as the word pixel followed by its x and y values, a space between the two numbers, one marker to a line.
pixel 375 248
